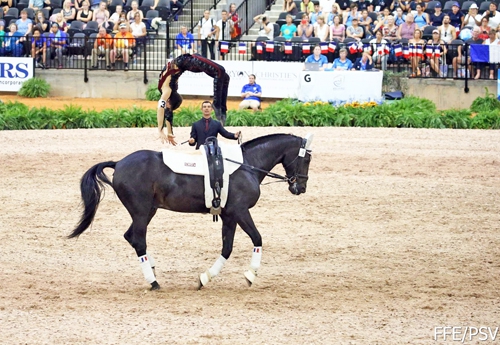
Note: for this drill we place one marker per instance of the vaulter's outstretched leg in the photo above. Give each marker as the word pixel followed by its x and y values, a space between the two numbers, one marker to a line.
pixel 228 230
pixel 247 224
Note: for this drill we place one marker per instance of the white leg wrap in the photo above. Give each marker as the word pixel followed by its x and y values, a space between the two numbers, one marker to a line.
pixel 256 257
pixel 151 260
pixel 216 268
pixel 146 269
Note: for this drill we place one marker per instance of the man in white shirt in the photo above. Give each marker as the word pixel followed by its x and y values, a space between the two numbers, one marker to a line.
pixel 266 27
pixel 224 27
pixel 206 34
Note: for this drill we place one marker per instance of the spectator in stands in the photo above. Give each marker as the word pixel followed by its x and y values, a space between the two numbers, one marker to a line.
pixel 58 43
pixel 459 60
pixel 78 5
pixel 378 45
pixel 335 12
pixel 337 30
pixel 382 19
pixel 344 6
pixel 317 58
pixel 236 20
pixel 206 34
pixel 290 8
pixel 68 11
pixel 135 9
pixel 184 42
pixel 12 45
pixel 447 31
pixel 492 40
pixel 225 27
pixel 436 18
pixel 2 32
pixel 59 19
pixel 472 18
pixel 103 43
pixel 403 4
pixel 342 63
pixel 321 29
pixel 266 28
pixel 407 29
pixel 5 4
pixel 390 31
pixel 41 22
pixel 307 7
pixel 35 4
pixel 85 15
pixel 355 31
pixel 138 30
pixel 176 7
pixel 288 30
pixel 421 18
pixel 24 27
pixel 314 15
pixel 436 60
pixel 416 45
pixel 364 63
pixel 485 29
pixel 122 48
pixel 326 7
pixel 123 20
pixel 251 94
pixel 366 23
pixel 414 3
pixel 493 15
pixel 400 17
pixel 349 16
pixel 305 29
pixel 115 17
pixel 456 16
pixel 38 47
pixel 101 14
pixel 498 31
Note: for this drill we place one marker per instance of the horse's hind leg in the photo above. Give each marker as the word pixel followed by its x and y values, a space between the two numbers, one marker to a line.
pixel 228 230
pixel 246 222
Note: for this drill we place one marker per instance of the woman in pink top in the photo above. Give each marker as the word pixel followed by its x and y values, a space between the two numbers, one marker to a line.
pixel 101 15
pixel 337 30
pixel 407 29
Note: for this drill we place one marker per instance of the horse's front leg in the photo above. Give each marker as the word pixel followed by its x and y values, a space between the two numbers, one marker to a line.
pixel 228 230
pixel 247 224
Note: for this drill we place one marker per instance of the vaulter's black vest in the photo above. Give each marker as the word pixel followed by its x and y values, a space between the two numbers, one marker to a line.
pixel 216 172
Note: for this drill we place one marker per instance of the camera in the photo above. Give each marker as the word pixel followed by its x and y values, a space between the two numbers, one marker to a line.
pixel 491 15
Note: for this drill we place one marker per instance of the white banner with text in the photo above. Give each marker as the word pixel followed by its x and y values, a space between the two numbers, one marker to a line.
pixel 14 72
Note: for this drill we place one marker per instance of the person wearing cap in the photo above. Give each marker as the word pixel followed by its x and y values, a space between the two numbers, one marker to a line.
pixel 436 18
pixel 472 18
pixel 355 31
pixel 456 16
pixel 124 42
pixel 493 16
pixel 170 98
pixel 436 60
pixel 58 42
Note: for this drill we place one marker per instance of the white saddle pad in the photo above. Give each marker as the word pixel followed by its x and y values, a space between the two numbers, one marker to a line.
pixel 195 163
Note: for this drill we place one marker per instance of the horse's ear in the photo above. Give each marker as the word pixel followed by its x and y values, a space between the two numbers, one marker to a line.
pixel 309 139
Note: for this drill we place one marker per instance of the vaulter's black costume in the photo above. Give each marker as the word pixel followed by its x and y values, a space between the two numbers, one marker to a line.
pixel 196 64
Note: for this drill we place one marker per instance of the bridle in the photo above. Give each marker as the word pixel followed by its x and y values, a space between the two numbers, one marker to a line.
pixel 290 179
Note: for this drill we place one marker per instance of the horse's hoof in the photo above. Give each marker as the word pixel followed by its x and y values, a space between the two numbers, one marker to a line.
pixel 250 276
pixel 155 286
pixel 205 277
pixel 249 283
pixel 200 285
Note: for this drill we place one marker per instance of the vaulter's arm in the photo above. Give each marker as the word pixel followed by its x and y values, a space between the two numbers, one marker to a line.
pixel 164 108
pixel 226 134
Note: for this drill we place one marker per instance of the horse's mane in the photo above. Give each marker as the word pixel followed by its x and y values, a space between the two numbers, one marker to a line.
pixel 263 139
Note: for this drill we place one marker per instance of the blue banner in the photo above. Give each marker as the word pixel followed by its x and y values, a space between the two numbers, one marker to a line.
pixel 479 53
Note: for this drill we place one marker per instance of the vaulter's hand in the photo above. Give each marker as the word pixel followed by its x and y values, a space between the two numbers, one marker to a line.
pixel 171 139
pixel 191 141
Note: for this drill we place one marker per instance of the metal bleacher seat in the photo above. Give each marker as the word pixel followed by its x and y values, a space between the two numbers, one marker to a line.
pixel 427 33
pixel 484 6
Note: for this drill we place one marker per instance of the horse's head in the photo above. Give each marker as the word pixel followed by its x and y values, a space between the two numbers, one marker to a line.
pixel 297 166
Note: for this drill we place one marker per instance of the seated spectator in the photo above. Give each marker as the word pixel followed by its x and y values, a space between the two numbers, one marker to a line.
pixel 447 31
pixel 436 18
pixel 184 42
pixel 85 15
pixel 416 46
pixel 35 4
pixel 59 19
pixel 472 18
pixel 390 31
pixel 103 43
pixel 266 28
pixel 41 22
pixel 317 58
pixel 305 29
pixel 459 60
pixel 251 94
pixel 68 11
pixel 290 8
pixel 364 63
pixel 404 5
pixel 415 3
pixel 335 12
pixel 12 44
pixel 58 40
pixel 349 16
pixel 5 4
pixel 341 63
pixel 314 15
pixel 135 9
pixel 24 27
pixel 489 41
pixel 321 29
pixel 115 17
pixel 355 31
pixel 378 45
pixel 337 30
pixel 176 6
pixel 421 18
pixel 363 5
pixel 493 15
pixel 307 7
pixel 325 7
pixel 2 32
pixel 78 5
pixel 38 47
pixel 101 14
pixel 436 60
pixel 456 16
pixel 382 19
pixel 122 47
pixel 123 20
pixel 400 17
pixel 407 29
pixel 138 30
pixel 485 29
pixel 366 23
pixel 289 29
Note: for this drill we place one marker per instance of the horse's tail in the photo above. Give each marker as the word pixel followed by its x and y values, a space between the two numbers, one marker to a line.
pixel 92 186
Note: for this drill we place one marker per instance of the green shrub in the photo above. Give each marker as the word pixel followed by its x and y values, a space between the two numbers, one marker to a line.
pixel 486 103
pixel 34 87
pixel 152 93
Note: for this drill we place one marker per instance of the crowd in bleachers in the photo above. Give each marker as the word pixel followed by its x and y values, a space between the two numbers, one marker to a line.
pixel 426 35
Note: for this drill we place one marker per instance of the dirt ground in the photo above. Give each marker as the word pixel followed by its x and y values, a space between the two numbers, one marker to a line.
pixel 397 234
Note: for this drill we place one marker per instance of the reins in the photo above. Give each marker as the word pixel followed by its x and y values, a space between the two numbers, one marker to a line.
pixel 268 173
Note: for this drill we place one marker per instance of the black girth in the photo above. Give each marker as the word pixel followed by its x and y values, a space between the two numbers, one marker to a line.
pixel 216 172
